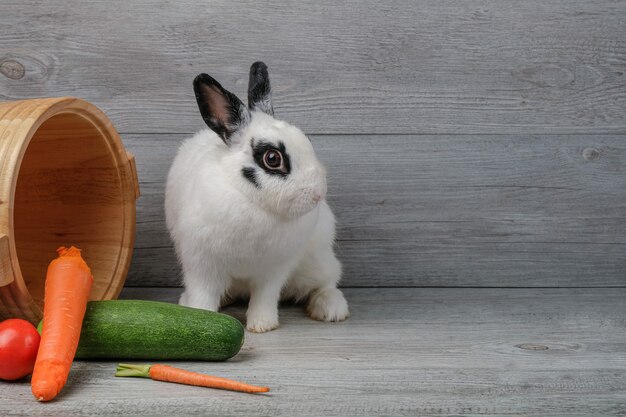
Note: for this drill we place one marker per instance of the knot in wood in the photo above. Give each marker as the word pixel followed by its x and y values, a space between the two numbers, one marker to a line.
pixel 531 346
pixel 12 69
pixel 590 154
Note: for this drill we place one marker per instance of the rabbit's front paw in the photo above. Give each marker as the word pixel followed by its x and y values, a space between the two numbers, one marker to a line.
pixel 328 304
pixel 261 323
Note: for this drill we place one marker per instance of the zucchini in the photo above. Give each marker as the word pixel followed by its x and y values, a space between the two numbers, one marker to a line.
pixel 139 329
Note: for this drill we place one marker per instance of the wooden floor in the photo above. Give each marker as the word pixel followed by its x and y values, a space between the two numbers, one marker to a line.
pixel 404 352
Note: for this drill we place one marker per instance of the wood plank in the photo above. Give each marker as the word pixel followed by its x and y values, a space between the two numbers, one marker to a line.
pixel 474 66
pixel 404 352
pixel 439 210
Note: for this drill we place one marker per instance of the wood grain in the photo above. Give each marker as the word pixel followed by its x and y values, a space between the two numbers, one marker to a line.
pixel 455 210
pixel 397 66
pixel 404 352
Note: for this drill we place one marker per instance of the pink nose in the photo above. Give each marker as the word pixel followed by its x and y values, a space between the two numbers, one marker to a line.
pixel 317 197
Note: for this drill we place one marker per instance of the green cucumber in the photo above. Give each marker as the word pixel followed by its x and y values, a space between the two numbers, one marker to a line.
pixel 139 329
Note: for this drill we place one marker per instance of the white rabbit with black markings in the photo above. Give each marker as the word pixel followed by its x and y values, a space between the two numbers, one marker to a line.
pixel 245 206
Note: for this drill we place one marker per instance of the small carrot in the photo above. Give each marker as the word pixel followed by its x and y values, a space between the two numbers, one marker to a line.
pixel 180 376
pixel 67 288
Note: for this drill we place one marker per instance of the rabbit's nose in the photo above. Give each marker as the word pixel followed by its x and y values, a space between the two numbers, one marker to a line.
pixel 319 194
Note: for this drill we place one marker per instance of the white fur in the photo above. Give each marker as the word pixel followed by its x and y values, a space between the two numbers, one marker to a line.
pixel 236 240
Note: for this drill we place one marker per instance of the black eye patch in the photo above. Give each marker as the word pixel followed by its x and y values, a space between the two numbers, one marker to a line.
pixel 250 175
pixel 259 150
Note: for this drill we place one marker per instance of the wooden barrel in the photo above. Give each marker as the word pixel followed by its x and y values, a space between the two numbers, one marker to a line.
pixel 65 179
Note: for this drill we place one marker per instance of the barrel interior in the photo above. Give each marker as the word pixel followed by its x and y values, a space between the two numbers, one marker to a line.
pixel 68 192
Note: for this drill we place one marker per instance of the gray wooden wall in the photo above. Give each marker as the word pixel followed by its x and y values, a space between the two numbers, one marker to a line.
pixel 469 143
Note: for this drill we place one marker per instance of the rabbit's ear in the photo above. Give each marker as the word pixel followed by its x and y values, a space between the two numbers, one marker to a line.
pixel 221 110
pixel 259 91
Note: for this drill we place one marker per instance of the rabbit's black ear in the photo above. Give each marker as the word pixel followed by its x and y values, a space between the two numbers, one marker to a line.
pixel 222 111
pixel 259 91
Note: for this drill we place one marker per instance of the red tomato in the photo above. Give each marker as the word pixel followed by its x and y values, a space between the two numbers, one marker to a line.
pixel 19 342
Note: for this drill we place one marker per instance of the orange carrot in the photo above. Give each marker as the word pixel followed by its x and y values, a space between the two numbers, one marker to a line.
pixel 180 376
pixel 67 288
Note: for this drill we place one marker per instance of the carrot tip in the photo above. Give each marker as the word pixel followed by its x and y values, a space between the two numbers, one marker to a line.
pixel 71 251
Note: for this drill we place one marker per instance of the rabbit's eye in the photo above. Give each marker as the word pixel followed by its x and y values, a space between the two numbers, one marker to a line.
pixel 273 159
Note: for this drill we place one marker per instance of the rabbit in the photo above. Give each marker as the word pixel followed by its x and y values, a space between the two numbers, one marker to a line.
pixel 245 207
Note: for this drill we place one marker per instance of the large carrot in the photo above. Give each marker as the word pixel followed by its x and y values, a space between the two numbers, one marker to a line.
pixel 67 288
pixel 180 376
